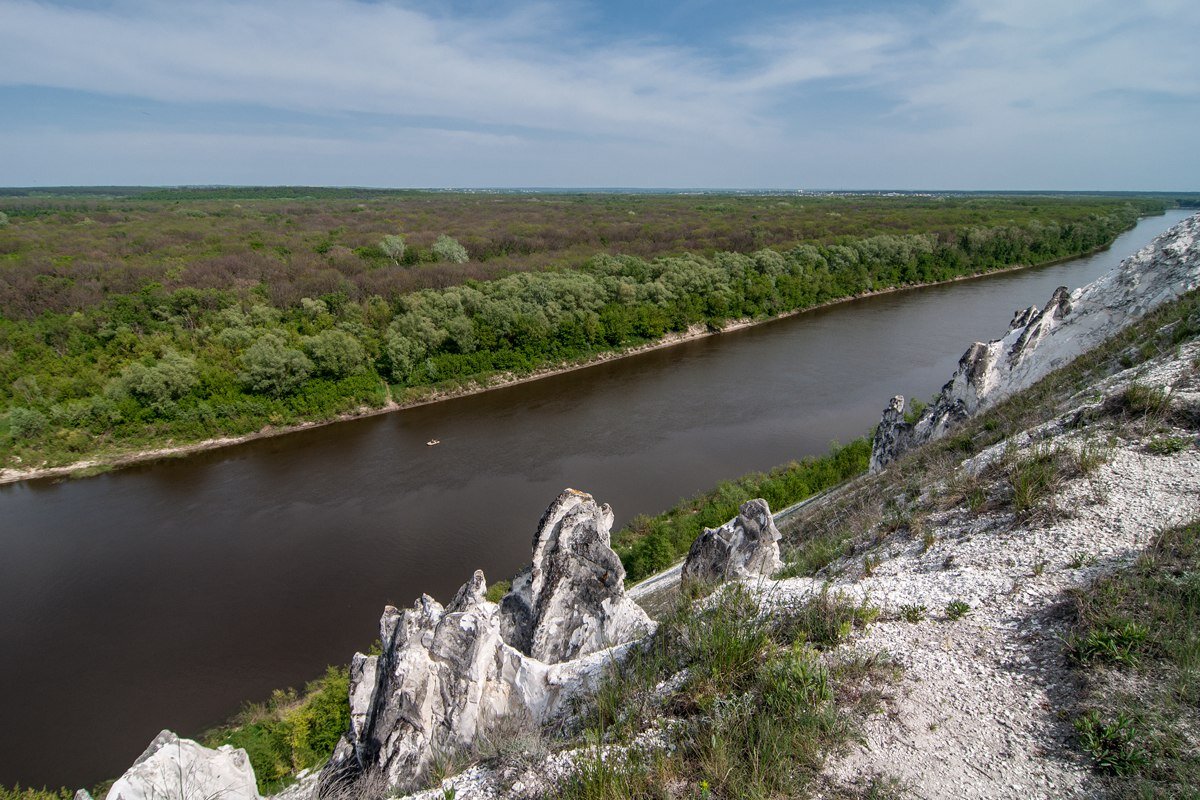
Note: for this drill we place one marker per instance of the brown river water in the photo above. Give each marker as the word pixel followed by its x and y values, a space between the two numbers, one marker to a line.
pixel 165 595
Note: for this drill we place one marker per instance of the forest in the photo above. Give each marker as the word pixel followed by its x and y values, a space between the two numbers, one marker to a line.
pixel 130 322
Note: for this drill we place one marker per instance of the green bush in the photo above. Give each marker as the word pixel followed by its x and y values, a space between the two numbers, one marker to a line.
pixel 26 793
pixel 290 732
pixel 271 367
pixel 650 544
pixel 158 385
pixel 447 248
pixel 25 423
pixel 334 353
pixel 392 246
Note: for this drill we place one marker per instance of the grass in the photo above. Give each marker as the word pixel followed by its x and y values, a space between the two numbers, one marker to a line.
pixel 815 553
pixel 1035 477
pixel 1137 648
pixel 957 609
pixel 1112 744
pixel 756 711
pixel 1169 445
pixel 1139 400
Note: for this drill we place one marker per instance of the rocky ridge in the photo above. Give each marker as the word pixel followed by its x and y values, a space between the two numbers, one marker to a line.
pixel 1039 341
pixel 978 710
pixel 180 769
pixel 746 546
pixel 447 675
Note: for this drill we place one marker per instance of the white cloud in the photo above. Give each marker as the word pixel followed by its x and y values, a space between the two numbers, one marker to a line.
pixel 978 92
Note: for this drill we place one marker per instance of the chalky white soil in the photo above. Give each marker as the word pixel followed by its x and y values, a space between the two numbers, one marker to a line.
pixel 980 710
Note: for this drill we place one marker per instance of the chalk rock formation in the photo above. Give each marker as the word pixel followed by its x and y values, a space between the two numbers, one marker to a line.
pixel 747 545
pixel 180 769
pixel 446 675
pixel 571 601
pixel 1040 341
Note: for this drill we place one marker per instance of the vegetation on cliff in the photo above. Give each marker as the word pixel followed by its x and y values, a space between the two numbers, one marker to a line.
pixel 114 337
pixel 650 544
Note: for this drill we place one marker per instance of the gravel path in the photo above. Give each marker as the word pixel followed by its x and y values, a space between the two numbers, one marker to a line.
pixel 976 713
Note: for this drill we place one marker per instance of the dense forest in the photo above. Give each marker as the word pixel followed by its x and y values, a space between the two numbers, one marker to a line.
pixel 130 322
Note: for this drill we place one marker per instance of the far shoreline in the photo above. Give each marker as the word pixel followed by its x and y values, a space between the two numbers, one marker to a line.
pixel 102 464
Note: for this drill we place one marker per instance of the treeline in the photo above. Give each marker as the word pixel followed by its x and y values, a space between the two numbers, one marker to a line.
pixel 188 364
pixel 70 254
pixel 525 320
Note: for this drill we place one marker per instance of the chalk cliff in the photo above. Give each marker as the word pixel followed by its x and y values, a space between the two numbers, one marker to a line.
pixel 746 546
pixel 180 769
pixel 446 675
pixel 1039 341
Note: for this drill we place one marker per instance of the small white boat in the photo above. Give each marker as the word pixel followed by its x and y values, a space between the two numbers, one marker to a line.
pixel 432 442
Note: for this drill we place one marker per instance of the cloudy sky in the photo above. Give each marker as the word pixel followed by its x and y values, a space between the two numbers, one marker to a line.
pixel 955 94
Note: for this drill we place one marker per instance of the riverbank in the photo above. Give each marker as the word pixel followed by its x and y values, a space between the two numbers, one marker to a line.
pixel 950 567
pixel 421 396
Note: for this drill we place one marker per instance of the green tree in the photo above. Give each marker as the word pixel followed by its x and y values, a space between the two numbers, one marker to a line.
pixel 157 386
pixel 25 423
pixel 334 353
pixel 447 248
pixel 392 246
pixel 271 367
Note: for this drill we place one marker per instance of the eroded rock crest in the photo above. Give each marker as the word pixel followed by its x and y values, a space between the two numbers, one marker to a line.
pixel 747 545
pixel 447 675
pixel 571 602
pixel 180 769
pixel 1039 341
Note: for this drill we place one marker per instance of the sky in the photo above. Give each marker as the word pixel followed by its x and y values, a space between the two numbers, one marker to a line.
pixel 830 94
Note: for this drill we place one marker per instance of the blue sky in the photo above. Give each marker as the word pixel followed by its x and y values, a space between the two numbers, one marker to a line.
pixel 955 94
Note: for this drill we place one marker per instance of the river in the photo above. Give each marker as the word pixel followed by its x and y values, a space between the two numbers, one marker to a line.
pixel 166 594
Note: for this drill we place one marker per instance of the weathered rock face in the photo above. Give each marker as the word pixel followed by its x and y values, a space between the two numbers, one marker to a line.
pixel 1040 341
pixel 572 600
pixel 180 769
pixel 747 545
pixel 446 675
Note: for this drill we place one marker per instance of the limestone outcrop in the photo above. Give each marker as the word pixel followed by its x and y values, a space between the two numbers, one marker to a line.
pixel 180 769
pixel 747 545
pixel 1040 341
pixel 571 601
pixel 447 675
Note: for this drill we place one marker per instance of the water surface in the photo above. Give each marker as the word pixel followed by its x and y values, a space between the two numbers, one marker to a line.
pixel 164 595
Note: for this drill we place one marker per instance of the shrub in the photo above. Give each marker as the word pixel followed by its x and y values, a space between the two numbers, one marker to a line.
pixel 27 793
pixel 290 732
pixel 1110 744
pixel 497 590
pixel 392 246
pixel 157 386
pixel 334 353
pixel 271 367
pixel 447 248
pixel 25 423
pixel 957 609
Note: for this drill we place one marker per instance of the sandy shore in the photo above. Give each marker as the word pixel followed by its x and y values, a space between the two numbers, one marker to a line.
pixel 433 395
